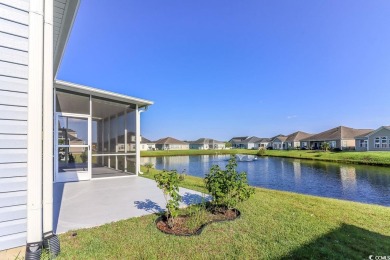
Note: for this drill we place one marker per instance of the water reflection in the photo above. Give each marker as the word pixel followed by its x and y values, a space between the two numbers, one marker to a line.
pixel 368 184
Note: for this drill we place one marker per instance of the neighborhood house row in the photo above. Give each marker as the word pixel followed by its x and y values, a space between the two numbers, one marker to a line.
pixel 341 137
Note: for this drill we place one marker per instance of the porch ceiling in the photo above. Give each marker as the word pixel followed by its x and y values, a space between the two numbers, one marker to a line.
pixel 76 88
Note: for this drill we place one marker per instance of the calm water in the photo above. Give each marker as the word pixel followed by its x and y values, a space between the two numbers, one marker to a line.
pixel 367 184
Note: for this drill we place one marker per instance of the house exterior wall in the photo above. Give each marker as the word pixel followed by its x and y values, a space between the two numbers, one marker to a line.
pixel 219 146
pixel 239 145
pixel 251 146
pixel 198 146
pixel 172 146
pixel 383 146
pixel 361 144
pixel 262 145
pixel 14 34
pixel 147 147
pixel 179 147
pixel 348 144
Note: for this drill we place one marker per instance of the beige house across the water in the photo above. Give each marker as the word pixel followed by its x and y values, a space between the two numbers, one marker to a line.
pixel 169 143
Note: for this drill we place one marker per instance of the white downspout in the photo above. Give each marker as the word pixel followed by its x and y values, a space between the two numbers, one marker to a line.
pixel 48 120
pixel 34 136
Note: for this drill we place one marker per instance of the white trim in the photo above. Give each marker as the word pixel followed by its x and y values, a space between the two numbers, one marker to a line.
pixel 101 93
pixel 47 133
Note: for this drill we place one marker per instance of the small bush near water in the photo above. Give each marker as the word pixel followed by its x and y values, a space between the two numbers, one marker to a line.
pixel 228 187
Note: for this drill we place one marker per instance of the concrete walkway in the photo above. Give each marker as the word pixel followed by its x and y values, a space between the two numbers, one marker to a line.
pixel 93 203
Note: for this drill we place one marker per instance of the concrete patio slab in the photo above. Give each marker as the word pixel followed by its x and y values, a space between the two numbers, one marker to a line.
pixel 93 203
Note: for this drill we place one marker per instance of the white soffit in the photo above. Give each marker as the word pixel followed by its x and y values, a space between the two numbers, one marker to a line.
pixel 64 14
pixel 59 84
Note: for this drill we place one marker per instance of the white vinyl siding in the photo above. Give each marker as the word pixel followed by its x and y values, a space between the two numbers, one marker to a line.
pixel 14 30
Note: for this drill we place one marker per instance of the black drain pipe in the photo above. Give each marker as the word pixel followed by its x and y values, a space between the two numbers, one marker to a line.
pixel 33 251
pixel 51 243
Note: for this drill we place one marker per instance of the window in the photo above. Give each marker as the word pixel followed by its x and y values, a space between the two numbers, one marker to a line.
pixel 363 143
pixel 377 142
pixel 332 144
pixel 384 142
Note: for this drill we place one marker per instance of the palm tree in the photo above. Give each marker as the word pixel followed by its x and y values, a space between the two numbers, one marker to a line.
pixel 325 146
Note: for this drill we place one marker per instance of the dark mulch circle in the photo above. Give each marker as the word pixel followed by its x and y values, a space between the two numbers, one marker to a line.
pixel 181 229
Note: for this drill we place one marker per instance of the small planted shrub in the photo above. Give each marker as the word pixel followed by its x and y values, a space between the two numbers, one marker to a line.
pixel 182 175
pixel 168 182
pixel 325 146
pixel 84 156
pixel 261 152
pixel 148 166
pixel 228 187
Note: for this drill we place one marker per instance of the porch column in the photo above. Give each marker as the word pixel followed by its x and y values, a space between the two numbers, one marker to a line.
pixel 137 140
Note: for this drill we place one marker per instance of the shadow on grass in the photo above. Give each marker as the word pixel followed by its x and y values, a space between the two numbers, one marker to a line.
pixel 148 206
pixel 345 242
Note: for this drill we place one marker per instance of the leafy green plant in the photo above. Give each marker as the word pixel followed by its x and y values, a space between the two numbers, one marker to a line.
pixel 148 166
pixel 261 152
pixel 325 146
pixel 182 175
pixel 168 182
pixel 198 215
pixel 228 187
pixel 84 156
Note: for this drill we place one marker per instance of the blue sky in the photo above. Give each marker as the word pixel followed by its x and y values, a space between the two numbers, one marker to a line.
pixel 219 68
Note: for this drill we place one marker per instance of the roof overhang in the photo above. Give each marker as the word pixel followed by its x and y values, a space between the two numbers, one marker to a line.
pixel 64 15
pixel 76 88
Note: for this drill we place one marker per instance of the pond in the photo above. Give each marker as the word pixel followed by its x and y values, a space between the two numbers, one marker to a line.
pixel 361 183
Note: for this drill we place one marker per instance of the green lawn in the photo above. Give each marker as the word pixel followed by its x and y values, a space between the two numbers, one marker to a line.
pixel 274 225
pixel 370 158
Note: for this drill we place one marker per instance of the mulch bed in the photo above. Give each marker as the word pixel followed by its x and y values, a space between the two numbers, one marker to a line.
pixel 181 229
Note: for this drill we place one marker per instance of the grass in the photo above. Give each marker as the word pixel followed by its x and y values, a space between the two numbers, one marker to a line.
pixel 354 157
pixel 369 158
pixel 274 225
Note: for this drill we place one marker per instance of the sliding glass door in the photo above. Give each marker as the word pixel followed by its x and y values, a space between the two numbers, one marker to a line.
pixel 72 147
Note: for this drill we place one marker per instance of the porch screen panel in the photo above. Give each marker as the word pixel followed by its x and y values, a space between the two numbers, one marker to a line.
pixel 131 129
pixel 113 136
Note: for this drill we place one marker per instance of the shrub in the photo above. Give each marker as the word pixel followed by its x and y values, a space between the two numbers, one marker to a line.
pixel 261 152
pixel 228 187
pixel 84 156
pixel 325 146
pixel 168 182
pixel 182 175
pixel 148 166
